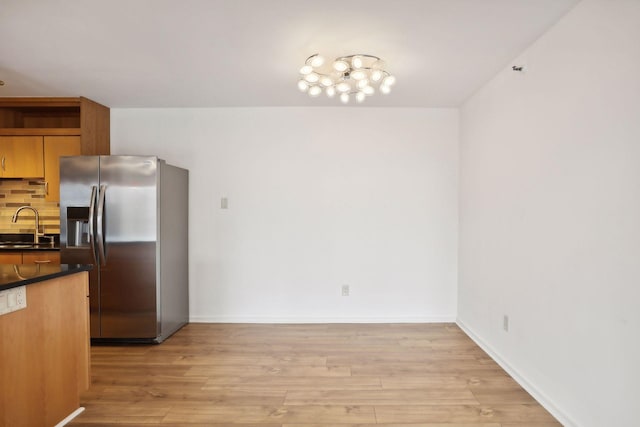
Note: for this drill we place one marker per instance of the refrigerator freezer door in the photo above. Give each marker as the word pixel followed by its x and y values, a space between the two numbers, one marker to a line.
pixel 79 179
pixel 128 208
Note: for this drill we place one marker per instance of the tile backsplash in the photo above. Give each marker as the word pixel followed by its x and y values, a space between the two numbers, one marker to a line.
pixel 20 192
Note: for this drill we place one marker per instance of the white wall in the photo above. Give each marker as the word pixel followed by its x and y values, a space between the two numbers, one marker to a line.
pixel 318 198
pixel 550 216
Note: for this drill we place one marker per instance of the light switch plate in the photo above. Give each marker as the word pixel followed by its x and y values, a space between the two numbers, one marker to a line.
pixel 345 290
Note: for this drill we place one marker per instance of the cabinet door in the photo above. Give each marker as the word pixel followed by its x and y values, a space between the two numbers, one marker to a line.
pixel 54 148
pixel 10 257
pixel 41 257
pixel 21 157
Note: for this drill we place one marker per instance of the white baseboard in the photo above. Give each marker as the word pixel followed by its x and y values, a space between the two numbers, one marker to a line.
pixel 70 417
pixel 293 319
pixel 534 391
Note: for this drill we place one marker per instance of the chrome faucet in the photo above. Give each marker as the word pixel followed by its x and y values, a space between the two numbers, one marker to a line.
pixel 36 232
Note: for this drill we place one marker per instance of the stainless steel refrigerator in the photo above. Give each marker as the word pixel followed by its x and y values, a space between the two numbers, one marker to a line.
pixel 128 216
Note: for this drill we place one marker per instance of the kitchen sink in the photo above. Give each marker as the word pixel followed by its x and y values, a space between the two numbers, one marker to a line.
pixel 21 241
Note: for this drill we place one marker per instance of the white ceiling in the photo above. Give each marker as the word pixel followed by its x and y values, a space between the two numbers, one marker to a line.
pixel 228 53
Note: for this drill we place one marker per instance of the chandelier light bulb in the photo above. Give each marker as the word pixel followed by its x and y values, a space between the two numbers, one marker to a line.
pixel 326 81
pixel 340 66
pixel 343 87
pixel 315 91
pixel 312 77
pixel 303 86
pixel 356 76
pixel 317 61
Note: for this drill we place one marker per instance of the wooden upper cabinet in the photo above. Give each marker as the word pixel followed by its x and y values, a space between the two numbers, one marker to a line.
pixel 54 148
pixel 58 116
pixel 21 157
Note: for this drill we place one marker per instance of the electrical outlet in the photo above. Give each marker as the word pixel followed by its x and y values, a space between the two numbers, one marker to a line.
pixel 505 323
pixel 345 290
pixel 13 299
pixel 224 203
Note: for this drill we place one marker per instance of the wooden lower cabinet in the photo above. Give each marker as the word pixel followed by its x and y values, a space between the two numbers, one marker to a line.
pixel 10 257
pixel 44 353
pixel 41 257
pixel 31 257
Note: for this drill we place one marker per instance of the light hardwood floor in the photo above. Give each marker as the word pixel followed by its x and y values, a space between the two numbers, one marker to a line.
pixel 260 375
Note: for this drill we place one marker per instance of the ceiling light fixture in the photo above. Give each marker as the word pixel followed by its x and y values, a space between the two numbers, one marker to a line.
pixel 355 76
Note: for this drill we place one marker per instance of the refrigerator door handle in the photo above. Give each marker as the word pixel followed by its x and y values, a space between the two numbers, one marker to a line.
pixel 92 208
pixel 100 225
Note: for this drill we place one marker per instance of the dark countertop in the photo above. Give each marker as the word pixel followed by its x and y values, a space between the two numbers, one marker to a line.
pixel 14 275
pixel 28 248
pixel 23 242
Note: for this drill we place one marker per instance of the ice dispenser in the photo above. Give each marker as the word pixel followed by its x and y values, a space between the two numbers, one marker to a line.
pixel 78 227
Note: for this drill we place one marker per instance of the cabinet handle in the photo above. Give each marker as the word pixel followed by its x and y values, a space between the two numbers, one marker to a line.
pixel 42 261
pixel 46 188
pixel 3 159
